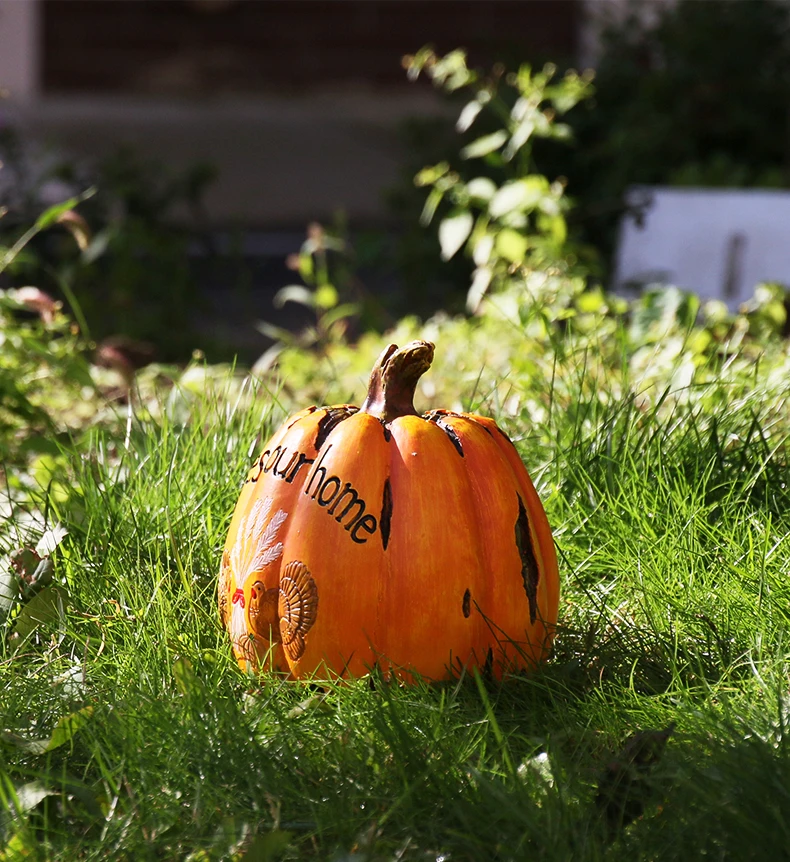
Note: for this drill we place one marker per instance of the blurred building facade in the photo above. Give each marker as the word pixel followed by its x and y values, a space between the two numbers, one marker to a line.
pixel 296 102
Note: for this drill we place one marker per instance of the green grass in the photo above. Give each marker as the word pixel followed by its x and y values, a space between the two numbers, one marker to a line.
pixel 672 523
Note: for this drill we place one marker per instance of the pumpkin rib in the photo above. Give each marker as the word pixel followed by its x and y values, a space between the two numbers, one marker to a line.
pixel 340 637
pixel 542 538
pixel 384 572
pixel 496 486
pixel 294 437
pixel 425 476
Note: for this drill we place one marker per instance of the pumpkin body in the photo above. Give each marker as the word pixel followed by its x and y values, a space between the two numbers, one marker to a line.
pixel 374 536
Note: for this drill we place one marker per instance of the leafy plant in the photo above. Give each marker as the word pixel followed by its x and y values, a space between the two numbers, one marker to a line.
pixel 133 276
pixel 45 382
pixel 324 263
pixel 516 222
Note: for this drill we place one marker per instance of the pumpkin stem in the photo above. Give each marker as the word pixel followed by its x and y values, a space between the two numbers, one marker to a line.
pixel 394 379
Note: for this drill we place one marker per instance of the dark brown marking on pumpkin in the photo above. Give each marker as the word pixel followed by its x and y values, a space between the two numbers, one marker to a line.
pixel 294 419
pixel 437 417
pixel 454 438
pixel 297 607
pixel 529 565
pixel 329 421
pixel 385 521
pixel 504 435
pixel 466 604
pixel 387 430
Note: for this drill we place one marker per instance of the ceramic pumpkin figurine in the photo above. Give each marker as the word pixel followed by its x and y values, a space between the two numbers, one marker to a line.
pixel 376 535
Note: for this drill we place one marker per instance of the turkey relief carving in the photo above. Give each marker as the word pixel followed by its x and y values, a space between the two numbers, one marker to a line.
pixel 256 547
pixel 282 614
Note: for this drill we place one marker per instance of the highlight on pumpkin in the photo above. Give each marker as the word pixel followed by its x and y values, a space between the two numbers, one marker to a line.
pixel 376 536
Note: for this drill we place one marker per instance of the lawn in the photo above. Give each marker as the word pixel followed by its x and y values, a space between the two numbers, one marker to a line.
pixel 130 732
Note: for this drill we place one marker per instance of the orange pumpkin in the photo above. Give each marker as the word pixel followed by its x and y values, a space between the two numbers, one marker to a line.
pixel 377 536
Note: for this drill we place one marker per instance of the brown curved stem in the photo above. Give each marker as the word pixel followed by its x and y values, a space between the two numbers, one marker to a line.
pixel 394 379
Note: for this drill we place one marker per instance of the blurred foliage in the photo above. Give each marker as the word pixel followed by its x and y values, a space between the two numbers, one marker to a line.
pixel 332 292
pixel 691 94
pixel 688 94
pixel 134 275
pixel 532 342
pixel 45 384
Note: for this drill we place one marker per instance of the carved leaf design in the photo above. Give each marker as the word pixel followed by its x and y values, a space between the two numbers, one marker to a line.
pixel 256 547
pixel 260 538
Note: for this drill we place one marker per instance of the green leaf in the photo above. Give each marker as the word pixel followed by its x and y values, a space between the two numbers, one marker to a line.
pixel 478 288
pixel 294 293
pixel 481 188
pixel 29 795
pixel 519 195
pixel 483 248
pixel 511 245
pixel 554 226
pixel 51 215
pixel 561 131
pixel 68 725
pixel 326 296
pixel 50 540
pixel 431 203
pixel 21 846
pixel 276 333
pixel 268 847
pixel 451 71
pixel 311 704
pixel 538 767
pixel 483 146
pixel 454 231
pixel 590 301
pixel 306 266
pixel 64 731
pixel 8 593
pixel 97 246
pixel 339 312
pixel 45 607
pixel 187 681
pixel 429 175
pixel 471 110
pixel 520 136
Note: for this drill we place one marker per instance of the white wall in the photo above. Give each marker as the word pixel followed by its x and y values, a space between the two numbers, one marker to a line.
pixel 718 243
